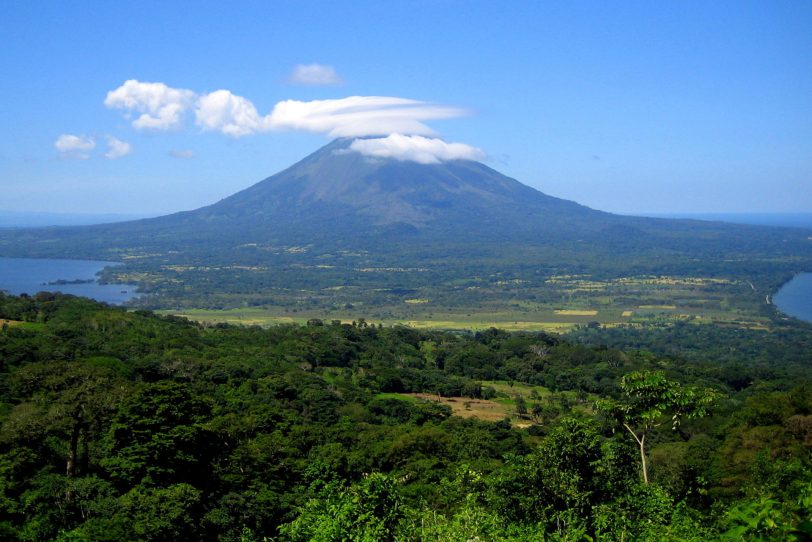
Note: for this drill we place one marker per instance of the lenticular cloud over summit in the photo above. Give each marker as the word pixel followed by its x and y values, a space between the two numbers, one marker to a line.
pixel 422 150
pixel 357 116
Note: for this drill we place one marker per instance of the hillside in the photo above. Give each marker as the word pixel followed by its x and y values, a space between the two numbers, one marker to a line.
pixel 123 426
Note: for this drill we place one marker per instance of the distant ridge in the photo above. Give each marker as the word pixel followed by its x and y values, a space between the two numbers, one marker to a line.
pixel 18 219
pixel 787 220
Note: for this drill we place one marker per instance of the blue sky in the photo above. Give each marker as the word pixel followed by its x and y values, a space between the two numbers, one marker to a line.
pixel 632 107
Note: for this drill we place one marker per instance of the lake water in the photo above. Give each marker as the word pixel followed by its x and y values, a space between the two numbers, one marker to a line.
pixel 795 297
pixel 26 275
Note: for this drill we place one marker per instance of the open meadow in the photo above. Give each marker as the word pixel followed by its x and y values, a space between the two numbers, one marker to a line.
pixel 559 304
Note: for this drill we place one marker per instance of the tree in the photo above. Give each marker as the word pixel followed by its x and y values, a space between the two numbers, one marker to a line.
pixel 537 411
pixel 159 432
pixel 73 400
pixel 363 512
pixel 648 396
pixel 521 406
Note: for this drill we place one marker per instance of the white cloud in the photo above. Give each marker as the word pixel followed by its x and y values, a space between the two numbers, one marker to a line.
pixel 360 116
pixel 182 154
pixel 354 116
pixel 416 148
pixel 314 74
pixel 161 107
pixel 230 114
pixel 73 146
pixel 117 148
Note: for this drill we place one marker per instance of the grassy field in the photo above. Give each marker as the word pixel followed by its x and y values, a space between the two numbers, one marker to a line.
pixel 542 320
pixel 268 317
pixel 568 301
pixel 504 404
pixel 17 323
pixel 481 409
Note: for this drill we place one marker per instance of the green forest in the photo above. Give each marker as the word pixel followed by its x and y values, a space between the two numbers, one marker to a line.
pixel 124 425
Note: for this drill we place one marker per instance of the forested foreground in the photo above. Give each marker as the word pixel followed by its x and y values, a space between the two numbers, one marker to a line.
pixel 124 426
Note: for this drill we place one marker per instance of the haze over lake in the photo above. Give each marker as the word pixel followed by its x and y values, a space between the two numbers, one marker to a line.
pixel 29 275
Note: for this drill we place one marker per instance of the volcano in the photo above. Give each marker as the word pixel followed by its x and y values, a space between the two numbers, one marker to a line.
pixel 337 195
pixel 336 183
pixel 402 214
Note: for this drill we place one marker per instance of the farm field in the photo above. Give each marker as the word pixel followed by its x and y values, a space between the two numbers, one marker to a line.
pixel 17 323
pixel 466 407
pixel 559 306
pixel 539 403
pixel 269 317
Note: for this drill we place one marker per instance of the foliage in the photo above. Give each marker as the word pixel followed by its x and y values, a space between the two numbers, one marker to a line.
pixel 647 397
pixel 367 511
pixel 128 426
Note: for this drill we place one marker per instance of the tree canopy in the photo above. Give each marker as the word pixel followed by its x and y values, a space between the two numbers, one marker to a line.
pixel 127 426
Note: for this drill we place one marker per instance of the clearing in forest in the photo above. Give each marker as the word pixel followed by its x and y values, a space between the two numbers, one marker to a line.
pixel 466 407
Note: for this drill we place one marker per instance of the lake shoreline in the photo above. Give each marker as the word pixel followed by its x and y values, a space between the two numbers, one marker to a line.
pixel 73 277
pixel 794 297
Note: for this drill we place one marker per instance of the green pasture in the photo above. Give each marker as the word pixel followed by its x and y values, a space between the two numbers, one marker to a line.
pixel 560 305
pixel 541 320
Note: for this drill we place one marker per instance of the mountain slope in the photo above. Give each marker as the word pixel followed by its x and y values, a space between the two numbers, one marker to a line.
pixel 390 191
pixel 337 193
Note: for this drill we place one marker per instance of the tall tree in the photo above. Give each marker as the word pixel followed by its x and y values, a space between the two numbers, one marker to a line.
pixel 648 399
